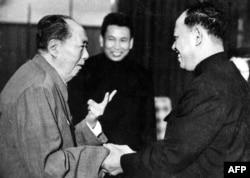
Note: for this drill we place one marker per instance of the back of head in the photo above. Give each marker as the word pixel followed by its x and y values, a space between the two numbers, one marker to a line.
pixel 209 17
pixel 51 27
pixel 119 19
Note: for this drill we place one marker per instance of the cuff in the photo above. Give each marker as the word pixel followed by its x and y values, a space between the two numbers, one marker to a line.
pixel 97 130
pixel 128 163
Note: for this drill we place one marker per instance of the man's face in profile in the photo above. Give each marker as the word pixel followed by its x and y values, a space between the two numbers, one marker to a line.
pixel 184 44
pixel 72 53
pixel 117 42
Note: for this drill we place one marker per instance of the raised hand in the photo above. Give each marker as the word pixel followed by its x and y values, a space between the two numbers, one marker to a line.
pixel 112 163
pixel 97 109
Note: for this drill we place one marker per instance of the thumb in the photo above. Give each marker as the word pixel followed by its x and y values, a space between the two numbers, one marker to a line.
pixel 108 146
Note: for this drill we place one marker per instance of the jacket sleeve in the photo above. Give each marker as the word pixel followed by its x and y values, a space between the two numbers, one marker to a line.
pixel 41 140
pixel 149 131
pixel 191 129
pixel 84 136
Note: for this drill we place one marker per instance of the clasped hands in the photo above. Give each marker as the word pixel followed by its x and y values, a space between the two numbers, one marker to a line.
pixel 111 164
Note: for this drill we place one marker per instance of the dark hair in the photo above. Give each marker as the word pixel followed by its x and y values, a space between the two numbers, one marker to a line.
pixel 51 27
pixel 119 19
pixel 209 17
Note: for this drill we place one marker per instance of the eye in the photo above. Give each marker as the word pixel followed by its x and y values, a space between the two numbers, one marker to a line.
pixel 85 45
pixel 111 39
pixel 124 40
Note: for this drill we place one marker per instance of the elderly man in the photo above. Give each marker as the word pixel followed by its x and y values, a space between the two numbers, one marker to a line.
pixel 37 137
pixel 211 122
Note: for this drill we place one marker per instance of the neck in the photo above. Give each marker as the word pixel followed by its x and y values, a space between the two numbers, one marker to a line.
pixel 210 49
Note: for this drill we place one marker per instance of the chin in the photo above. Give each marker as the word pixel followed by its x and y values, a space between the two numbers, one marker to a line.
pixel 116 59
pixel 74 75
pixel 182 66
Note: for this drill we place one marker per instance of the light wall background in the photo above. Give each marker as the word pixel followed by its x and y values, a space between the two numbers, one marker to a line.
pixel 86 12
pixel 18 19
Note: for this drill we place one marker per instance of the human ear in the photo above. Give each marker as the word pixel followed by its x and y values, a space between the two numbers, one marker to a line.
pixel 131 43
pixel 101 40
pixel 198 36
pixel 53 47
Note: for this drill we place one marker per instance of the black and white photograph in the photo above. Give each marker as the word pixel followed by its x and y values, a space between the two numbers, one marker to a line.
pixel 124 88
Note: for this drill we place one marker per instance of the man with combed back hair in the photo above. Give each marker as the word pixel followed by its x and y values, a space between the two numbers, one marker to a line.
pixel 210 124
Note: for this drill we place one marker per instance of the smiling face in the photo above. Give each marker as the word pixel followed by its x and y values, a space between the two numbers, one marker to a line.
pixel 72 52
pixel 184 44
pixel 116 42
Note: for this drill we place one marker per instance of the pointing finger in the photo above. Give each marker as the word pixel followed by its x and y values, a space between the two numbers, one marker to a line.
pixel 112 95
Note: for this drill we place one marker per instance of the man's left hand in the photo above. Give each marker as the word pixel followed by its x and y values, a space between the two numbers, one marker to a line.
pixel 97 109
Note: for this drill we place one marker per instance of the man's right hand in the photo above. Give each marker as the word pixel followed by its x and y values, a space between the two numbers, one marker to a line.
pixel 111 164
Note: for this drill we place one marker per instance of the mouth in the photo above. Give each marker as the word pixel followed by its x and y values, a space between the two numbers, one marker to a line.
pixel 116 54
pixel 178 54
pixel 79 66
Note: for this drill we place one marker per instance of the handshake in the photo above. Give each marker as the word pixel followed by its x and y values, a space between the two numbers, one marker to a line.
pixel 111 165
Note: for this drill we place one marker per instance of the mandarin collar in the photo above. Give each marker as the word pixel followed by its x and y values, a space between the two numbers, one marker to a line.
pixel 210 63
pixel 124 61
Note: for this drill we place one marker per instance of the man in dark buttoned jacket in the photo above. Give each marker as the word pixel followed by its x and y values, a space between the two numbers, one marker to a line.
pixel 211 122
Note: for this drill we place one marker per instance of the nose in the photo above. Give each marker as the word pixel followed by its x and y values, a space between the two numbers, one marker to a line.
pixel 117 45
pixel 85 54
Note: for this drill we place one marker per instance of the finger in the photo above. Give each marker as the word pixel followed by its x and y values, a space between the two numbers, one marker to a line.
pixel 101 174
pixel 122 147
pixel 90 107
pixel 90 101
pixel 114 172
pixel 105 99
pixel 105 170
pixel 112 95
pixel 109 146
